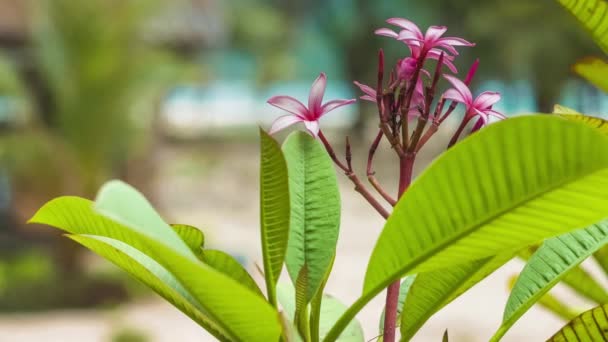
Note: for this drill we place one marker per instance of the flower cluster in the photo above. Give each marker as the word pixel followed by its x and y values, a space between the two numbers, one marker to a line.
pixel 410 91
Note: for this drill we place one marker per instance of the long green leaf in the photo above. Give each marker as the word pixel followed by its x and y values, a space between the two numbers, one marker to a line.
pixel 227 264
pixel 547 267
pixel 432 291
pixel 551 303
pixel 192 236
pixel 331 309
pixel 122 213
pixel 579 280
pixel 218 260
pixel 601 256
pixel 508 186
pixel 592 121
pixel 315 210
pixel 152 274
pixel 591 325
pixel 593 15
pixel 274 210
pixel 315 306
pixel 595 71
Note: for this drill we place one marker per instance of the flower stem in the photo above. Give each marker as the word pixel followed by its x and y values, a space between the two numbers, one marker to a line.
pixel 458 132
pixel 406 166
pixel 371 173
pixel 359 186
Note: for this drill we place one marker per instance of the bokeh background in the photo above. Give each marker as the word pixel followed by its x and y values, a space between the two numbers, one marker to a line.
pixel 167 96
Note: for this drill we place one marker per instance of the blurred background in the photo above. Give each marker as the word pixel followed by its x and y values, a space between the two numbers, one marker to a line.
pixel 167 96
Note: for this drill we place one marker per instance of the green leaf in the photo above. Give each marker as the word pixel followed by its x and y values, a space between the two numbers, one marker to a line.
pixel 315 306
pixel 510 185
pixel 551 262
pixel 301 317
pixel 153 275
pixel 595 71
pixel 559 109
pixel 591 121
pixel 601 256
pixel 579 281
pixel 315 210
pixel 274 210
pixel 192 236
pixel 331 309
pixel 557 307
pixel 227 264
pixel 432 291
pixel 404 289
pixel 592 15
pixel 122 213
pixel 591 325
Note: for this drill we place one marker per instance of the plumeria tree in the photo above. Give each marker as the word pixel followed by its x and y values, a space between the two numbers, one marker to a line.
pixel 505 190
pixel 407 100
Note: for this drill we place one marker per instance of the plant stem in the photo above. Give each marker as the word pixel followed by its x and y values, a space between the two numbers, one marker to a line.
pixel 406 166
pixel 359 186
pixel 456 135
pixel 370 170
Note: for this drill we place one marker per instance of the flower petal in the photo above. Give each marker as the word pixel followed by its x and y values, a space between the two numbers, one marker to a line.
pixel 454 95
pixel 315 99
pixel 462 89
pixel 312 127
pixel 289 104
pixel 447 59
pixel 454 41
pixel 486 100
pixel 366 89
pixel 386 32
pixel 496 114
pixel 433 33
pixel 406 25
pixel 283 122
pixel 331 105
pixel 409 37
pixel 482 115
pixel 368 98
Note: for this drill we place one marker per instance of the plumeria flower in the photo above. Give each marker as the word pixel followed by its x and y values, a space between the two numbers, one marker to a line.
pixel 417 97
pixel 429 45
pixel 299 113
pixel 480 106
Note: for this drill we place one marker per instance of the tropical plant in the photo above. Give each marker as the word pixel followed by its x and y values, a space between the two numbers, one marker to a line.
pixel 499 193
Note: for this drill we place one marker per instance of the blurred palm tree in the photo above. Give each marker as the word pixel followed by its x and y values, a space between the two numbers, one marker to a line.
pixel 89 85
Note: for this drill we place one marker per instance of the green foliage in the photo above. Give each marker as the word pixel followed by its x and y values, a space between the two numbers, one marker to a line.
pixel 315 210
pixel 129 335
pixel 274 210
pixel 547 267
pixel 592 15
pixel 591 325
pixel 432 291
pixel 595 71
pixel 331 309
pixel 227 264
pixel 192 236
pixel 153 275
pixel 497 187
pixel 121 216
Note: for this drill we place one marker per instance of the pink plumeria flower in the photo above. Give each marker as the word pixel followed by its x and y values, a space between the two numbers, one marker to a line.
pixel 429 45
pixel 299 113
pixel 417 97
pixel 480 106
